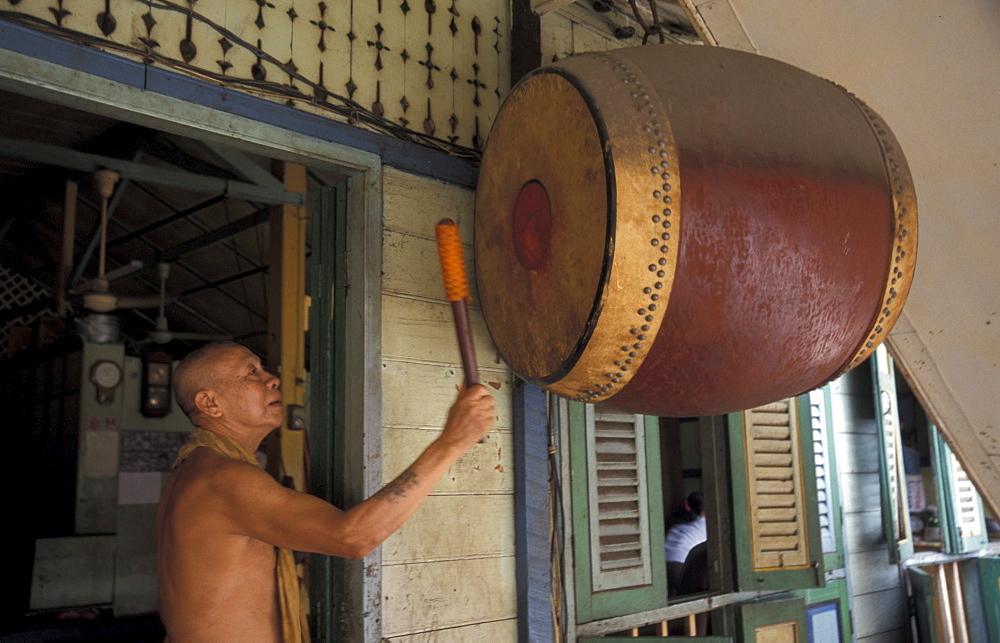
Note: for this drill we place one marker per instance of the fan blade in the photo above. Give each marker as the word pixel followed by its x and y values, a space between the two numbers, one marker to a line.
pixel 118 273
pixel 208 337
pixel 167 336
pixel 150 301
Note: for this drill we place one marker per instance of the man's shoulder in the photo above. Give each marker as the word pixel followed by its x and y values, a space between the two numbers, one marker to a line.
pixel 207 468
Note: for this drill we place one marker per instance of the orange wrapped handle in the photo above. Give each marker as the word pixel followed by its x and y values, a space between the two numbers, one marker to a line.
pixel 456 286
pixel 456 289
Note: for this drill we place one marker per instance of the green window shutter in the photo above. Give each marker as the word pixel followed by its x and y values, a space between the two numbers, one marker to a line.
pixel 617 512
pixel 775 519
pixel 989 578
pixel 828 612
pixel 827 485
pixel 765 620
pixel 652 639
pixel 895 511
pixel 960 508
pixel 929 626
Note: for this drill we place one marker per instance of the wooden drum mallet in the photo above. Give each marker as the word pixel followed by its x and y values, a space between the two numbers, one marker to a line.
pixel 456 288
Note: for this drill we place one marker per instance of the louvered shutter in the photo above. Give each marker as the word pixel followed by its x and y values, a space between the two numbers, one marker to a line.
pixel 827 487
pixel 895 511
pixel 989 580
pixel 774 509
pixel 616 487
pixel 773 620
pixel 963 523
pixel 617 510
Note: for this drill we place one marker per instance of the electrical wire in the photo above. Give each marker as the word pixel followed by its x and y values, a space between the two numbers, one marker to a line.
pixel 343 106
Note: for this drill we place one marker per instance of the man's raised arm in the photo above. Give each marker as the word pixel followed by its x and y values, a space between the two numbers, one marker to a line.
pixel 261 508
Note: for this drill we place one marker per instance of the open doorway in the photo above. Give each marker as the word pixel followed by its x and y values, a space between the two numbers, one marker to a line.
pixel 946 512
pixel 172 250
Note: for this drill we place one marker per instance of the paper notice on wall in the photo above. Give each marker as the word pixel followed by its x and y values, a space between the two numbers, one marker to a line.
pixel 915 492
pixel 100 456
pixel 139 487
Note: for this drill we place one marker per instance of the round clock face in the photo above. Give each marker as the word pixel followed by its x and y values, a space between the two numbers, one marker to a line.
pixel 106 374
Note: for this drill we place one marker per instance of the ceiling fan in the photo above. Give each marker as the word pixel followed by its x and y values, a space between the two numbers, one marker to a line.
pixel 161 333
pixel 97 297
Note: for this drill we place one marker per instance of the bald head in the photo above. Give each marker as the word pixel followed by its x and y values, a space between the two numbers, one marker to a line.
pixel 197 372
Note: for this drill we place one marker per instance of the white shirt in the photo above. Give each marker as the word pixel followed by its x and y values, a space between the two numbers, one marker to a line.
pixel 682 537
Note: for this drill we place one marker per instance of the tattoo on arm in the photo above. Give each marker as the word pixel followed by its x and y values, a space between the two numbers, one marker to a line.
pixel 397 489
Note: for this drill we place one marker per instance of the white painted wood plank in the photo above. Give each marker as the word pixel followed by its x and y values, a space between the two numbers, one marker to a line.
pixel 587 39
pixel 411 265
pixel 487 468
pixel 415 41
pixel 493 61
pixel 419 395
pixel 275 37
pixel 169 29
pixel 416 204
pixel 545 7
pixel 723 24
pixel 871 572
pixel 442 95
pixel 35 9
pixel 500 41
pixel 464 56
pixel 337 53
pixel 892 636
pixel 363 56
pixel 392 75
pixel 857 452
pixel 880 615
pixel 556 37
pixel 860 492
pixel 425 596
pixel 864 531
pixel 505 630
pixel 453 528
pixel 239 21
pixel 424 331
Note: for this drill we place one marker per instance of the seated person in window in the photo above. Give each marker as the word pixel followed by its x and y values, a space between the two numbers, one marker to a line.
pixel 688 531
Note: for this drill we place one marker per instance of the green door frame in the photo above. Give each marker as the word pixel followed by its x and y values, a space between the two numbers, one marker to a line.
pixel 327 341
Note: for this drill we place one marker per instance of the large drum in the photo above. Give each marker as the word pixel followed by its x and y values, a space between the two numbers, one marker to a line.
pixel 683 230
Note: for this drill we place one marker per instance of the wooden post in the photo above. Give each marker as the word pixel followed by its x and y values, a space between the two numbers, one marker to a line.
pixel 66 258
pixel 944 602
pixel 287 317
pixel 961 630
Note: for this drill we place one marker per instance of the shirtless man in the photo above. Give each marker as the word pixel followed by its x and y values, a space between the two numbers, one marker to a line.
pixel 221 518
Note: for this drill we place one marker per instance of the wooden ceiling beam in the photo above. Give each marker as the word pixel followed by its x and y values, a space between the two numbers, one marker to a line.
pixel 54 155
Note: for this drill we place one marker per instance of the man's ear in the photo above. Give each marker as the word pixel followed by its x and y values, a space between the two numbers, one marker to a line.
pixel 207 403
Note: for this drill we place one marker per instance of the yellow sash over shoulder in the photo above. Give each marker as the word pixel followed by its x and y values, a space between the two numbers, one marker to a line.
pixel 293 629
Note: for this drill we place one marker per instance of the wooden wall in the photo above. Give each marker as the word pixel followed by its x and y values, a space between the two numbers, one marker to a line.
pixel 878 594
pixel 448 574
pixel 573 30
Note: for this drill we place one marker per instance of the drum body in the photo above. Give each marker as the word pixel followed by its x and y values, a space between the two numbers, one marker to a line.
pixel 683 231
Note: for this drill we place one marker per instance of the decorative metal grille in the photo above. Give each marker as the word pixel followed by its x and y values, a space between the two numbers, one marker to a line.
pixel 429 71
pixel 16 291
